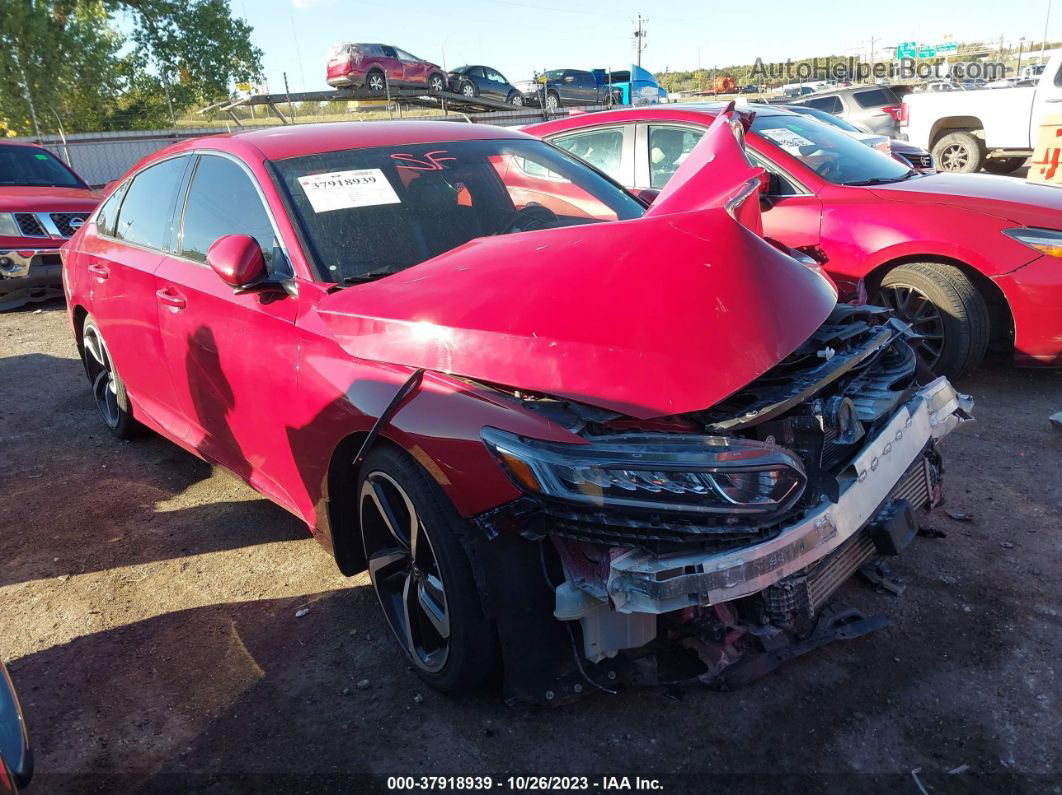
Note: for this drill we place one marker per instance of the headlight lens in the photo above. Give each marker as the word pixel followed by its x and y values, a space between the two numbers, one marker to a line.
pixel 1046 241
pixel 686 474
pixel 8 227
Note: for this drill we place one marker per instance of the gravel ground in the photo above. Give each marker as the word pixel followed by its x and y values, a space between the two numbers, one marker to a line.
pixel 148 610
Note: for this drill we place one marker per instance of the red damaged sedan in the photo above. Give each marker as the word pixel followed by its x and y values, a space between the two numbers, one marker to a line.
pixel 586 441
pixel 967 259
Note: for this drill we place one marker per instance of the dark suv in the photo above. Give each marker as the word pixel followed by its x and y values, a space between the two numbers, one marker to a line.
pixel 558 87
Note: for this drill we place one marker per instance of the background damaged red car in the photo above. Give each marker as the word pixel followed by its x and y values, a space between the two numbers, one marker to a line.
pixel 590 442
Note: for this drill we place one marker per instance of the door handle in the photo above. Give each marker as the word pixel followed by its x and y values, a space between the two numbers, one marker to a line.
pixel 1053 99
pixel 171 298
pixel 101 272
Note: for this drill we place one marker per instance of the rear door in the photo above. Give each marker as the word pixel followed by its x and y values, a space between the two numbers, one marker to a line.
pixel 232 356
pixel 133 230
pixel 392 65
pixel 1048 101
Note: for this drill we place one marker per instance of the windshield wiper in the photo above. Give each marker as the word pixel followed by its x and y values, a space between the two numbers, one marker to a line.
pixel 882 180
pixel 361 278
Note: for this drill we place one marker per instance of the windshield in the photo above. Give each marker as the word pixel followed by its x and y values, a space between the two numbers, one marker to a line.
pixel 27 165
pixel 367 213
pixel 828 152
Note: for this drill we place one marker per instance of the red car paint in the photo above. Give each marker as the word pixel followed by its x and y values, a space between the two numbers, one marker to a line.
pixel 653 316
pixel 866 230
pixel 350 65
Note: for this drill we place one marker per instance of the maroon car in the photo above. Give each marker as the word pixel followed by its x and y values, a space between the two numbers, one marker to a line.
pixel 377 66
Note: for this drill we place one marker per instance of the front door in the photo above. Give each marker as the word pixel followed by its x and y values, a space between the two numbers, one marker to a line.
pixel 232 356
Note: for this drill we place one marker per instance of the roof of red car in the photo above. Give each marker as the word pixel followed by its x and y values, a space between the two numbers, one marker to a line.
pixel 277 143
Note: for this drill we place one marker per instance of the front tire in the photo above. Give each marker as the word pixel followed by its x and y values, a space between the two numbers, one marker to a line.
pixel 468 90
pixel 959 152
pixel 1003 165
pixel 436 83
pixel 108 389
pixel 552 101
pixel 515 99
pixel 946 308
pixel 421 574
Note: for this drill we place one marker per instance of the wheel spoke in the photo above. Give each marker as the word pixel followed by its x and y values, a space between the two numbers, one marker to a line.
pixel 408 608
pixel 383 506
pixel 93 348
pixel 432 603
pixel 386 563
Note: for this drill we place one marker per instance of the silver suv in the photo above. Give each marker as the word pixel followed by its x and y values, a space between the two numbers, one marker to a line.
pixel 873 107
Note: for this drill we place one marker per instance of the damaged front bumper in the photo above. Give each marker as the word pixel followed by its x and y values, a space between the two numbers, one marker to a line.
pixel 641 582
pixel 28 275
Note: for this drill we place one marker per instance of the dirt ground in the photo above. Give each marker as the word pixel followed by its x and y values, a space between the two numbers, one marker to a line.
pixel 148 610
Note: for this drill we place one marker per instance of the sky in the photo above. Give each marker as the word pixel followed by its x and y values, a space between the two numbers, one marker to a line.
pixel 518 37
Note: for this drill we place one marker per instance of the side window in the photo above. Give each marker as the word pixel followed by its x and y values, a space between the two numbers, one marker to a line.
pixel 476 71
pixel 146 214
pixel 223 201
pixel 668 147
pixel 601 148
pixel 783 186
pixel 108 214
pixel 492 75
pixel 828 104
pixel 405 56
pixel 389 52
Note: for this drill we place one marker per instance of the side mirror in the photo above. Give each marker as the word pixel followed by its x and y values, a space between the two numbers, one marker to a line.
pixel 237 260
pixel 16 759
pixel 647 195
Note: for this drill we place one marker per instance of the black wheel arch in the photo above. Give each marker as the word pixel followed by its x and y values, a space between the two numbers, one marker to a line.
pixel 1001 320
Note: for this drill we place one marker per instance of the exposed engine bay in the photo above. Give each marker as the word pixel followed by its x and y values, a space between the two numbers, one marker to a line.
pixel 705 547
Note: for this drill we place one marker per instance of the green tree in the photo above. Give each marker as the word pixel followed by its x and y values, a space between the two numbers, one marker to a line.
pixel 67 60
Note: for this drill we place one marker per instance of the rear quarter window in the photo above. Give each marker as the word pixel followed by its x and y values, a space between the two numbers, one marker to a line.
pixel 875 98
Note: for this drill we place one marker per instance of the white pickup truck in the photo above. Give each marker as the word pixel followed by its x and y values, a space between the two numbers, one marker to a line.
pixel 994 129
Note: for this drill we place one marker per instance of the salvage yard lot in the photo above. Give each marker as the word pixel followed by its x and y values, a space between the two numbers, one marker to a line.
pixel 148 609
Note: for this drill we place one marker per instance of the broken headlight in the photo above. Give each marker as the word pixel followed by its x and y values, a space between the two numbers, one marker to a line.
pixel 684 473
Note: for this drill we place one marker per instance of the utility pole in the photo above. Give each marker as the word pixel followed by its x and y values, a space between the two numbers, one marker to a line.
pixel 1043 43
pixel 639 37
pixel 872 40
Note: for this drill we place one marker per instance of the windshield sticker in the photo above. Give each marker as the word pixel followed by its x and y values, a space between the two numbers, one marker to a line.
pixel 41 157
pixel 340 190
pixel 430 162
pixel 786 137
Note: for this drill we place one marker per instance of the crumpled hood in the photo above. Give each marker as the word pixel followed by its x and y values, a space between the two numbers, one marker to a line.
pixel 649 317
pixel 26 198
pixel 1026 203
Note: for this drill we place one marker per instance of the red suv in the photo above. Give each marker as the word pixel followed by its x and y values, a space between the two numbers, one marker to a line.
pixel 561 430
pixel 42 203
pixel 967 259
pixel 377 66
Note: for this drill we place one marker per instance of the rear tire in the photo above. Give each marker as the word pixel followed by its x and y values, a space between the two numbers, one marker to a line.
pixel 376 82
pixel 1003 165
pixel 422 577
pixel 959 152
pixel 943 304
pixel 108 389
